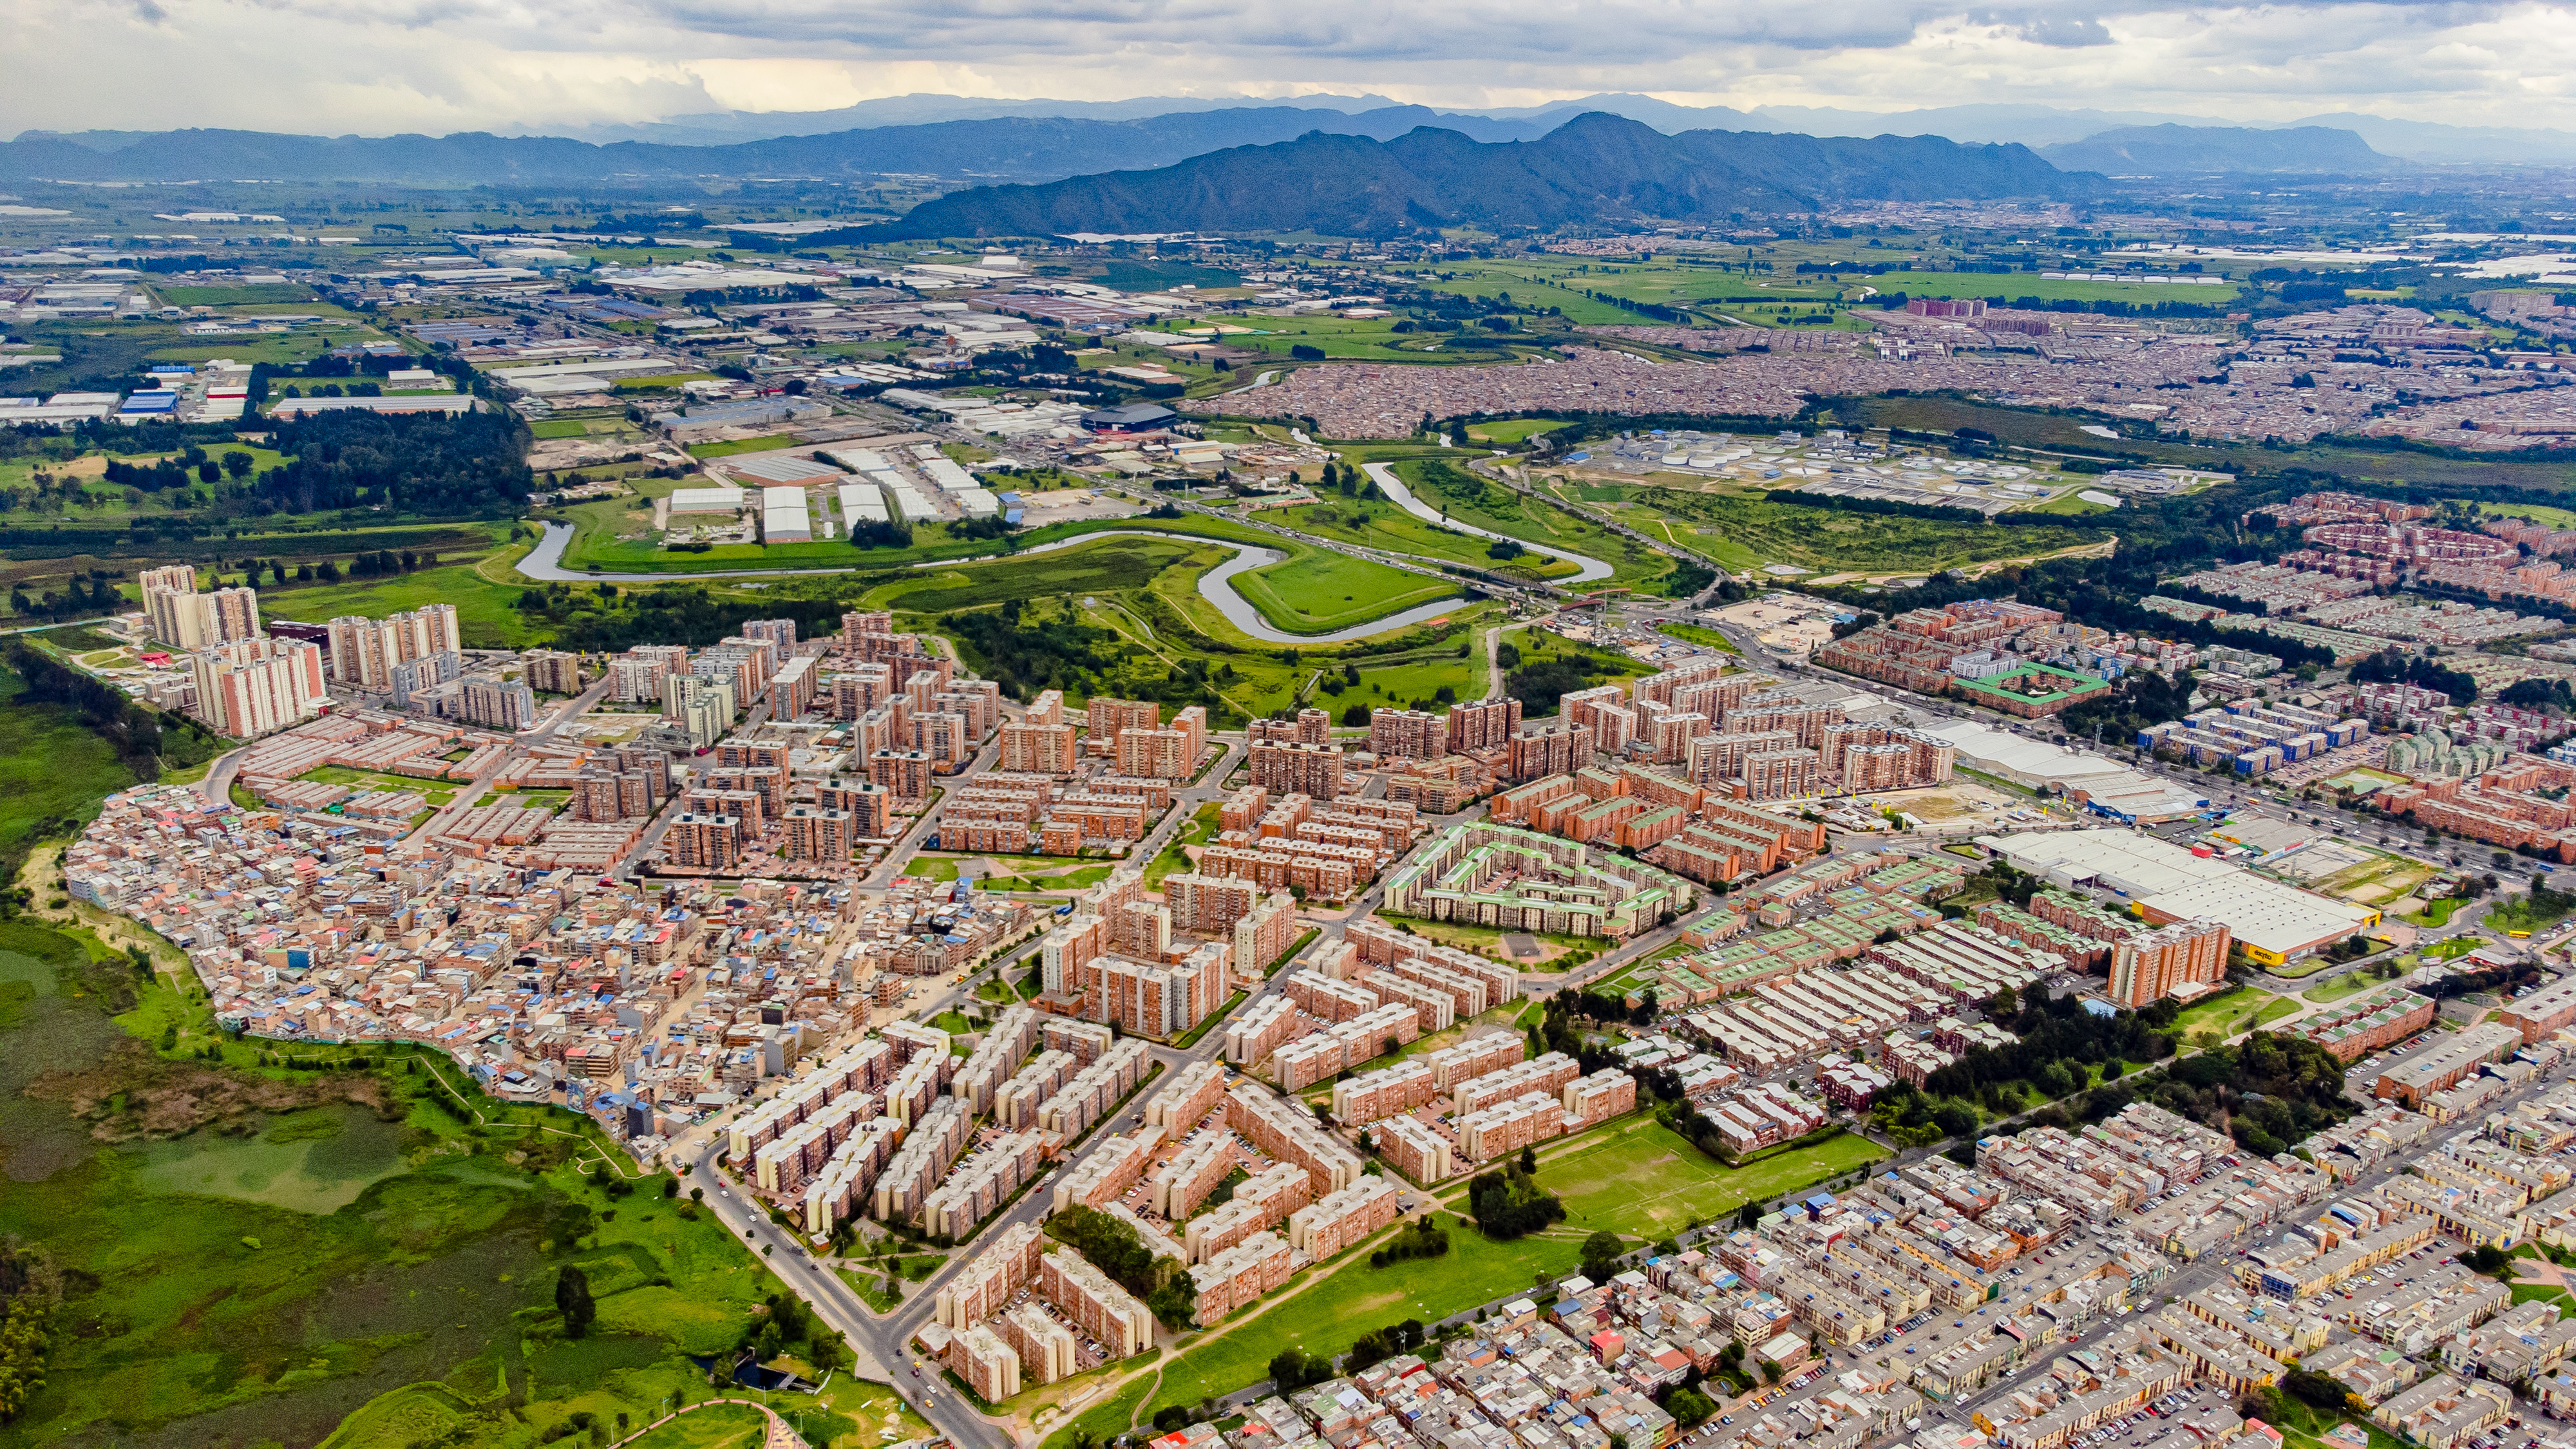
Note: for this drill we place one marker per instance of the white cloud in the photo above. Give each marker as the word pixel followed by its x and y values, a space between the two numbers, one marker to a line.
pixel 440 65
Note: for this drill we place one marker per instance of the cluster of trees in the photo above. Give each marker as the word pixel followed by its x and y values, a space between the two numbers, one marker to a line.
pixel 2142 699
pixel 2539 693
pixel 2059 1040
pixel 1689 1407
pixel 1911 1119
pixel 2267 1091
pixel 1347 480
pixel 573 1301
pixel 2424 671
pixel 1424 1239
pixel 996 526
pixel 1685 1121
pixel 1378 1345
pixel 2496 978
pixel 80 597
pixel 892 533
pixel 191 467
pixel 1296 1369
pixel 471 464
pixel 27 1292
pixel 1510 1203
pixel 1540 682
pixel 1113 1248
pixel 1025 659
pixel 782 1323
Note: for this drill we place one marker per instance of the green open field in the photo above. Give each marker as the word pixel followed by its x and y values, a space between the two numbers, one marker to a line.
pixel 1313 590
pixel 53 771
pixel 2531 513
pixel 1508 431
pixel 2238 1011
pixel 436 792
pixel 771 443
pixel 99 499
pixel 716 1426
pixel 89 350
pixel 485 605
pixel 1641 1179
pixel 1114 562
pixel 1372 339
pixel 234 296
pixel 2350 983
pixel 1324 591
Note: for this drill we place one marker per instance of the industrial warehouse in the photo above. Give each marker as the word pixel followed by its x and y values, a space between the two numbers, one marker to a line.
pixel 2275 923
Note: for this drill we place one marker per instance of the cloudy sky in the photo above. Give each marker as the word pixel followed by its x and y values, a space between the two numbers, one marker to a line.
pixel 386 66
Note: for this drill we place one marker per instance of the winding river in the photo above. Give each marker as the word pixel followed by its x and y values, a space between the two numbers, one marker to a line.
pixel 1216 585
pixel 1385 478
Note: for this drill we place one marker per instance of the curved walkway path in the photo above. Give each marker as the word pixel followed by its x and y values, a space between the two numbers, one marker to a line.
pixel 545 561
pixel 1385 478
pixel 778 1435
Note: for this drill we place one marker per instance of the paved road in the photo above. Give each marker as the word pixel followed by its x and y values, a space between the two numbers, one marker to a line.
pixel 217 785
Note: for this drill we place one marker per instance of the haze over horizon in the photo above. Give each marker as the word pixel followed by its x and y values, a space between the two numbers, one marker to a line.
pixel 160 64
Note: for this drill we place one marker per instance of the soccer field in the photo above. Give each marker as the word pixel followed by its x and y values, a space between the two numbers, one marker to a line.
pixel 1645 1181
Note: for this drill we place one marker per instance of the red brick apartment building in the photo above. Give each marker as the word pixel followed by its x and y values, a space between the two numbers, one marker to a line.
pixel 2499 807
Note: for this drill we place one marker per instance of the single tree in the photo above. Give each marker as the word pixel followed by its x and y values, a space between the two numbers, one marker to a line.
pixel 572 1300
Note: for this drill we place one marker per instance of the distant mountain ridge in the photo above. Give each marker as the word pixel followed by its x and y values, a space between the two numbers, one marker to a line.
pixel 2031 125
pixel 2168 150
pixel 1012 148
pixel 904 133
pixel 1596 167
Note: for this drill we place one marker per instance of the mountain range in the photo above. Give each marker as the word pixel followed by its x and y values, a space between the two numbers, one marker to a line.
pixel 1029 148
pixel 2168 150
pixel 1039 149
pixel 2031 125
pixel 1595 167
